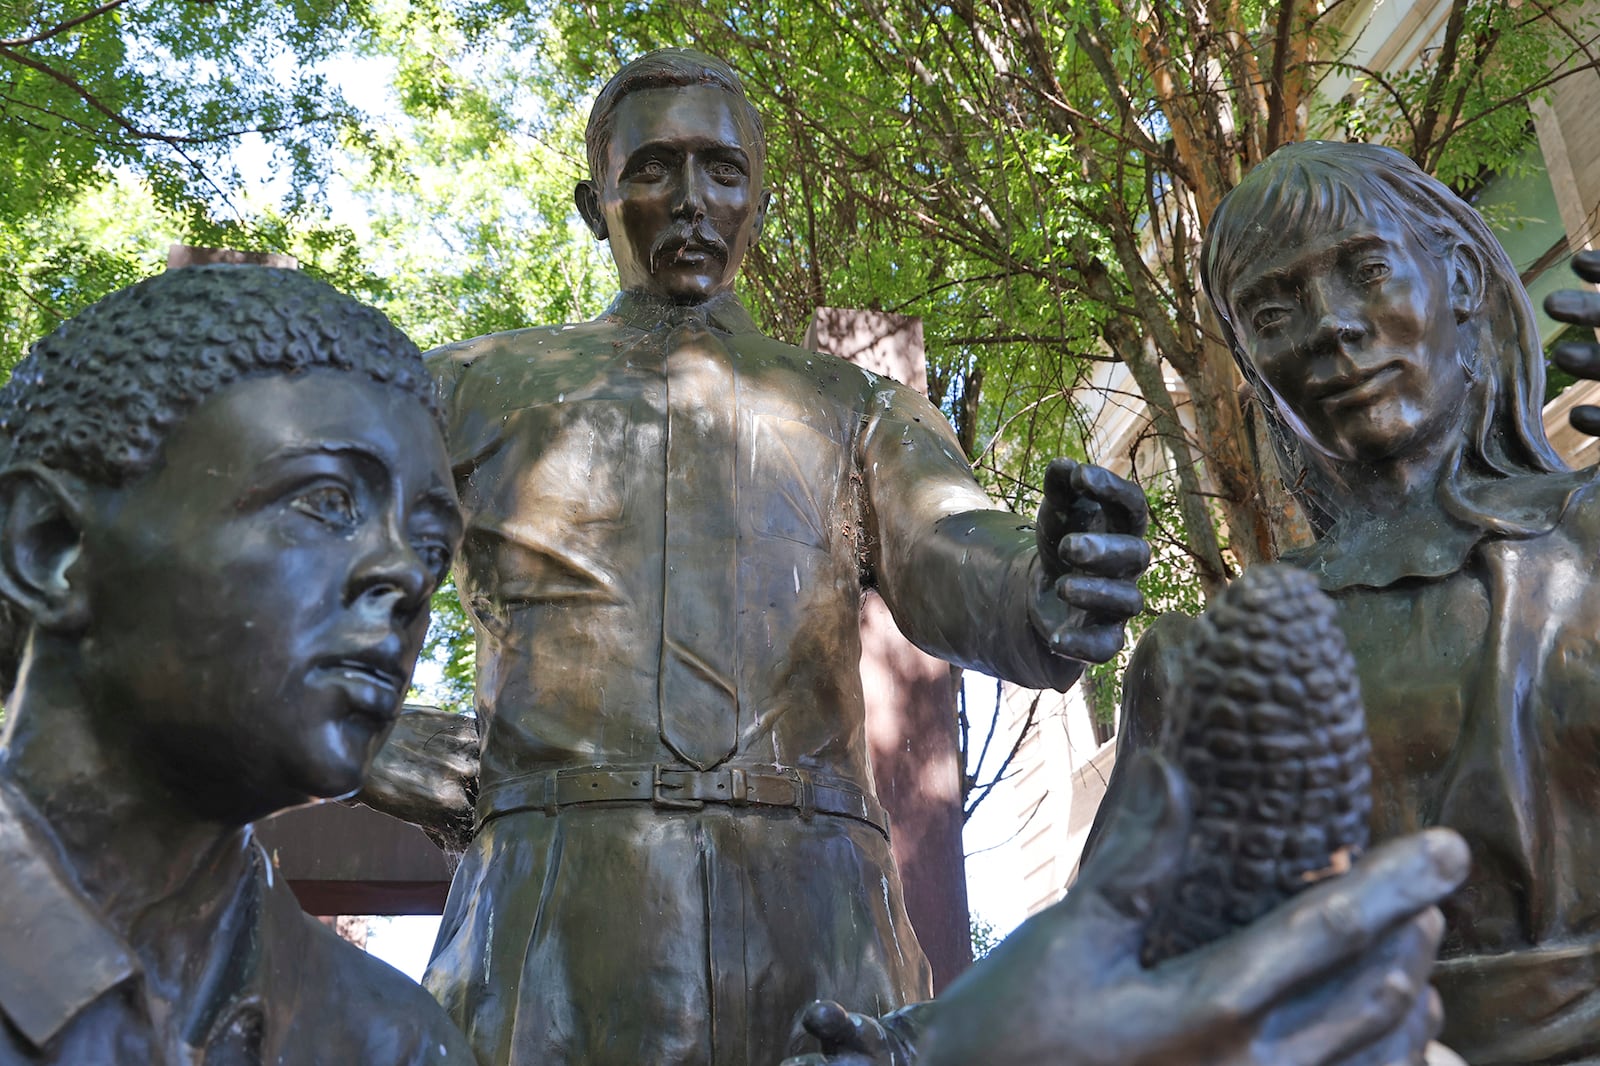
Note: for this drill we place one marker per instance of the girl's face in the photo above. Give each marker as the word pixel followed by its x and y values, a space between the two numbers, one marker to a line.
pixel 1355 332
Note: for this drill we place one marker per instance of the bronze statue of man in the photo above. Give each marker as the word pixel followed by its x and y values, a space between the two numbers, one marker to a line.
pixel 225 502
pixel 670 523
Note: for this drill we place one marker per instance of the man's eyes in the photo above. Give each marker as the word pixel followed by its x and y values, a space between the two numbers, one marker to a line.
pixel 722 171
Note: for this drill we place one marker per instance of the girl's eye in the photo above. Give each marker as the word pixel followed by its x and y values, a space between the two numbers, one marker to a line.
pixel 1268 319
pixel 1372 270
pixel 328 503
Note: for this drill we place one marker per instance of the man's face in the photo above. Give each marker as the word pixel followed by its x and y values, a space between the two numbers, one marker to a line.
pixel 681 198
pixel 257 603
pixel 1355 333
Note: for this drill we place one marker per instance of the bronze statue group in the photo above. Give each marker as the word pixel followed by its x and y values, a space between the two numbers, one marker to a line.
pixel 227 494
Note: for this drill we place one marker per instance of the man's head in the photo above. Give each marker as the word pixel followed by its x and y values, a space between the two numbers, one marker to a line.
pixel 224 508
pixel 676 161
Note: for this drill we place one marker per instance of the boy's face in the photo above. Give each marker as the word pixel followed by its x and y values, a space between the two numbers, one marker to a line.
pixel 258 601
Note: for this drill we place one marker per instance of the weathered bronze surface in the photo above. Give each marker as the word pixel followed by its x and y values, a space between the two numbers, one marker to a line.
pixel 1396 358
pixel 670 522
pixel 225 503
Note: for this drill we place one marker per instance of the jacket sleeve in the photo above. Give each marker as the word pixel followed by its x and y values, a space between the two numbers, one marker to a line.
pixel 956 573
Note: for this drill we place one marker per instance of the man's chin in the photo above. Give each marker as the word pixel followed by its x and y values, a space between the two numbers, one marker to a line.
pixel 684 287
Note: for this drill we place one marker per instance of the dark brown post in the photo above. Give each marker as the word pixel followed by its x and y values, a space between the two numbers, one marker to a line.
pixel 353 860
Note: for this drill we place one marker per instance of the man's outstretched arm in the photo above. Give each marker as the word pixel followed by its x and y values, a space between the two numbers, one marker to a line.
pixel 427 774
pixel 1028 601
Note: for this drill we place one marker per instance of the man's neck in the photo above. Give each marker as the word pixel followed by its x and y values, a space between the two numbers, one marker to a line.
pixel 646 310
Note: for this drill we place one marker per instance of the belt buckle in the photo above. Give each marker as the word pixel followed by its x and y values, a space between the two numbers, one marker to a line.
pixel 805 794
pixel 659 797
pixel 738 787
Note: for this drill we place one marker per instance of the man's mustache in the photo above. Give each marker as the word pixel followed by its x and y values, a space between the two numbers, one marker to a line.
pixel 688 237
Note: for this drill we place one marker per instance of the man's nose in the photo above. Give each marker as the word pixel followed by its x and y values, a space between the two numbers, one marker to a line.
pixel 689 200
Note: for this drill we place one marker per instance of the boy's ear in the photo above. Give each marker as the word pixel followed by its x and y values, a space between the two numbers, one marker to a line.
pixel 41 537
pixel 763 205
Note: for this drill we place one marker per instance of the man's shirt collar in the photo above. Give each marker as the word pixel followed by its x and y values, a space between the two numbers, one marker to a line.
pixel 644 311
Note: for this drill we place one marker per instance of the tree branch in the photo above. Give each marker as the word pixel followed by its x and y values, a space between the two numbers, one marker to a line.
pixel 1276 129
pixel 983 790
pixel 1433 99
pixel 60 28
pixel 126 124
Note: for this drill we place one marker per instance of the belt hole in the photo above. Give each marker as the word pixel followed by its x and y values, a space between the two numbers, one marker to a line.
pixel 636 781
pixel 719 788
pixel 594 784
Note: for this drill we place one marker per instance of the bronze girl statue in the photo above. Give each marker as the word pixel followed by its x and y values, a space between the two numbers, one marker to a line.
pixel 1396 358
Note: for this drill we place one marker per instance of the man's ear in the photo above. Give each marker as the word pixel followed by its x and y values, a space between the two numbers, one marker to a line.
pixel 587 197
pixel 41 537
pixel 1466 282
pixel 761 215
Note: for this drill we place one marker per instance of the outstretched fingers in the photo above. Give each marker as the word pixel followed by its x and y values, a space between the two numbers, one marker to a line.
pixel 1100 595
pixel 1383 1013
pixel 1580 358
pixel 1587 266
pixel 1329 926
pixel 1574 306
pixel 1120 500
pixel 1088 644
pixel 1106 554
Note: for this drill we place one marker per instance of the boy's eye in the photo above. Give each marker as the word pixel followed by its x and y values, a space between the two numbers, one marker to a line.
pixel 1268 318
pixel 328 503
pixel 436 557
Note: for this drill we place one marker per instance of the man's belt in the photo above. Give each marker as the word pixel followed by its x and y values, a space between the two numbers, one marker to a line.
pixel 673 789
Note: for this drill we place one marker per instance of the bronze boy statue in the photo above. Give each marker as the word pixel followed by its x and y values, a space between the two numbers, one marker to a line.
pixel 224 504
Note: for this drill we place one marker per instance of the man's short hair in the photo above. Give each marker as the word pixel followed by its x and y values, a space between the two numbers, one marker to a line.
pixel 665 68
pixel 98 396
